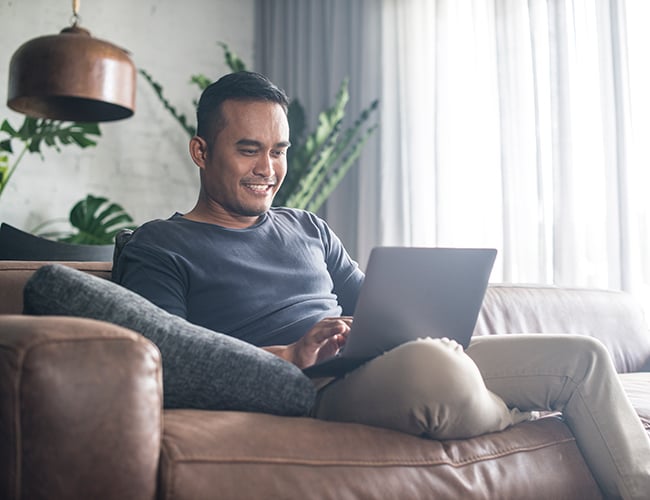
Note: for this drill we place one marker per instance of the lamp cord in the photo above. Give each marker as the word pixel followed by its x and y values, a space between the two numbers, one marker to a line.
pixel 75 12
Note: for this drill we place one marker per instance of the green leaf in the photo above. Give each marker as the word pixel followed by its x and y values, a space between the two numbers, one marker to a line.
pixel 81 140
pixel 201 81
pixel 88 128
pixel 233 61
pixel 35 145
pixel 28 128
pixel 36 134
pixel 6 146
pixel 5 127
pixel 157 88
pixel 97 221
pixel 4 168
pixel 336 176
pixel 82 213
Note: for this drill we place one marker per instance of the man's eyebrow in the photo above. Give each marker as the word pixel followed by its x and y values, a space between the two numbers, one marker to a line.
pixel 258 144
pixel 249 142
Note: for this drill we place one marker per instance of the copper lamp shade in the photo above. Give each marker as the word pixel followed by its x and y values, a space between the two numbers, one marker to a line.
pixel 72 77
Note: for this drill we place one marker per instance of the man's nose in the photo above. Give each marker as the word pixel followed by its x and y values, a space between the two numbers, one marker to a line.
pixel 264 166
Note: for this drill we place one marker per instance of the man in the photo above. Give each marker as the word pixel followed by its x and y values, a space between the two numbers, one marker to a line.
pixel 281 279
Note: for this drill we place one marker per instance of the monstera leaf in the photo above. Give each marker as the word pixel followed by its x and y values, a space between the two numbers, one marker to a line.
pixel 96 221
pixel 36 134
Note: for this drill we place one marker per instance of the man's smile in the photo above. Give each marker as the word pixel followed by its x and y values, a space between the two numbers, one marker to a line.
pixel 259 188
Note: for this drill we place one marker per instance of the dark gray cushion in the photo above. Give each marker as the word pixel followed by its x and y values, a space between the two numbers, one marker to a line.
pixel 201 368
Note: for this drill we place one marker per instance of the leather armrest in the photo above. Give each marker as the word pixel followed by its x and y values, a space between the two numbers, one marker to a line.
pixel 80 410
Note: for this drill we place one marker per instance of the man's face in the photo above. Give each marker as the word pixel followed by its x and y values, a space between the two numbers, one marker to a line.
pixel 246 163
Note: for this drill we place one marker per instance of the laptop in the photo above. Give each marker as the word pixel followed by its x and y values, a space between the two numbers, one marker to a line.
pixel 410 293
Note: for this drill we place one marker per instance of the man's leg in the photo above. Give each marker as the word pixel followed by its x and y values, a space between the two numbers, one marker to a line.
pixel 575 375
pixel 428 387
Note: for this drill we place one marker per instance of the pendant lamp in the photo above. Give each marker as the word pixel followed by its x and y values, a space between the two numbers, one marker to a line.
pixel 72 77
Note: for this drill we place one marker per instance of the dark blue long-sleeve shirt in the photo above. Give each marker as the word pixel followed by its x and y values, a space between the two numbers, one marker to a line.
pixel 266 284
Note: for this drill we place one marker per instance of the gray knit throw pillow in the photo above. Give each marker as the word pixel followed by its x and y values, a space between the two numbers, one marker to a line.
pixel 201 369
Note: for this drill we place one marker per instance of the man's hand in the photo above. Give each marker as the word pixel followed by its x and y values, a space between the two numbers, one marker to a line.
pixel 321 342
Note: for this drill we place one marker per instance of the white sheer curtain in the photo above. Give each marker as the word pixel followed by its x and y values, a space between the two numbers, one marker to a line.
pixel 521 125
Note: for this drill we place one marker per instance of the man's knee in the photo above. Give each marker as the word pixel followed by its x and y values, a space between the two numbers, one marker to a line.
pixel 427 387
pixel 579 354
pixel 433 367
pixel 557 353
pixel 590 345
pixel 440 393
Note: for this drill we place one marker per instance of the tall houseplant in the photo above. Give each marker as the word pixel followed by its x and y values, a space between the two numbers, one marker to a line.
pixel 317 161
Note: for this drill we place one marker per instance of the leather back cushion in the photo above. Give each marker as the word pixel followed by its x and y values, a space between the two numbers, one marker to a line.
pixel 14 274
pixel 613 317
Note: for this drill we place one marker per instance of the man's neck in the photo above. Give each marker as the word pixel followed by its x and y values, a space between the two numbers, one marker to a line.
pixel 220 217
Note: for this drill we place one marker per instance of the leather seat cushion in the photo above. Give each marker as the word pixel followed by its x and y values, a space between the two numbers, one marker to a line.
pixel 637 387
pixel 254 455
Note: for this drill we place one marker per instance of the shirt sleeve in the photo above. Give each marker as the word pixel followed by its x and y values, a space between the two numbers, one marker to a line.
pixel 345 272
pixel 153 274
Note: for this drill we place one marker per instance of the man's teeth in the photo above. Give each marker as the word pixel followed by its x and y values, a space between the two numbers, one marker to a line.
pixel 258 187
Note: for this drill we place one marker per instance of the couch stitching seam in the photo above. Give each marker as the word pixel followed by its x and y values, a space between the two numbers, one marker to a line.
pixel 378 463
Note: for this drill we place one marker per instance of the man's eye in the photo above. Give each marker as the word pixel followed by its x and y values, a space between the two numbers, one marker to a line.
pixel 279 152
pixel 248 151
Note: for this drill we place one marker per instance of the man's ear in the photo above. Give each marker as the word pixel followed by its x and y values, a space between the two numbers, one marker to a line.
pixel 199 151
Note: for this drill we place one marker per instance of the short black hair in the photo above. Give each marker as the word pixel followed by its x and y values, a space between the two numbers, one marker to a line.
pixel 241 86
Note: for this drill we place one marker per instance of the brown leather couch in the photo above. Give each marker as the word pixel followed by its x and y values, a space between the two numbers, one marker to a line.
pixel 81 418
